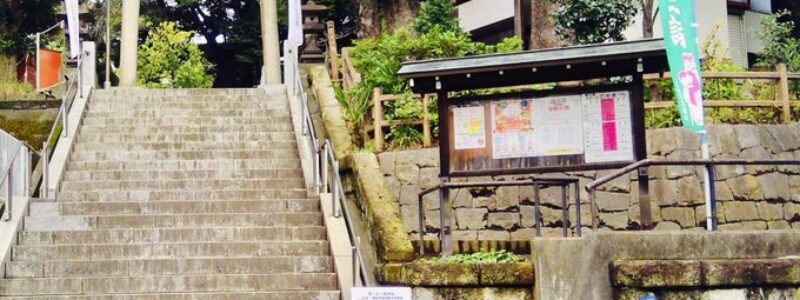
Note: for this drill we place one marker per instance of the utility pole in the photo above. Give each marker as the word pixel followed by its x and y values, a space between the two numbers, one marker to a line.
pixel 128 43
pixel 271 69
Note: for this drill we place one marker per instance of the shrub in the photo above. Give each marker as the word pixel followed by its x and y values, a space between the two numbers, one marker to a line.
pixel 168 59
pixel 433 13
pixel 593 21
pixel 378 59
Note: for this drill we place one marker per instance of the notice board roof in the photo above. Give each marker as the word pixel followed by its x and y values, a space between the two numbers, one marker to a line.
pixel 538 66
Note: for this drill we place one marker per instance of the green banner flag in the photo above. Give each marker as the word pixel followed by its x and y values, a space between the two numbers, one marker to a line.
pixel 680 38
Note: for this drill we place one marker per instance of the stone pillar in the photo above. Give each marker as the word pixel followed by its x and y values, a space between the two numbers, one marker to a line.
pixel 129 43
pixel 271 70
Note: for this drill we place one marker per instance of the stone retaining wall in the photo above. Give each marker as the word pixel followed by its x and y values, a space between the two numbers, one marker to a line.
pixel 750 198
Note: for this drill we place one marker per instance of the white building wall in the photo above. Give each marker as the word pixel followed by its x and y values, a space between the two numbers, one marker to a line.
pixel 479 13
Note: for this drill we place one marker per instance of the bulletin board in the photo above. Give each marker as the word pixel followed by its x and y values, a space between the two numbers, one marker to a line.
pixel 562 130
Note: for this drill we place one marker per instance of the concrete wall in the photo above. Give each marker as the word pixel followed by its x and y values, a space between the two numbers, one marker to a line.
pixel 479 13
pixel 576 268
pixel 750 198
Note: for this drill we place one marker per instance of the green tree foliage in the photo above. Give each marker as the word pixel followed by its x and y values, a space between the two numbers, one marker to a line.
pixel 780 46
pixel 20 18
pixel 436 13
pixel 168 59
pixel 593 21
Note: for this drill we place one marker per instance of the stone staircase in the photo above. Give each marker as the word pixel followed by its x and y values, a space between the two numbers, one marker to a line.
pixel 177 194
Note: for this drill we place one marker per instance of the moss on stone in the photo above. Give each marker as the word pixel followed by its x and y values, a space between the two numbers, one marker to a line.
pixel 457 274
pixel 505 273
pixel 655 273
pixel 752 272
pixel 383 213
pixel 332 114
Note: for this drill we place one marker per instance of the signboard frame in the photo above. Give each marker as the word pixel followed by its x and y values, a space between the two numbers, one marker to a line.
pixel 453 160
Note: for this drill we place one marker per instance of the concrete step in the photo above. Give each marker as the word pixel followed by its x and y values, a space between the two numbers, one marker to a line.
pixel 171 266
pixel 195 103
pixel 180 195
pixel 183 174
pixel 39 252
pixel 49 223
pixel 271 127
pixel 171 121
pixel 128 93
pixel 177 207
pixel 191 184
pixel 159 235
pixel 186 146
pixel 169 284
pixel 278 295
pixel 187 113
pixel 189 165
pixel 185 137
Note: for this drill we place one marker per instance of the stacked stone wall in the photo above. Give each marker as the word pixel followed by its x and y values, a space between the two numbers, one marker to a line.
pixel 749 197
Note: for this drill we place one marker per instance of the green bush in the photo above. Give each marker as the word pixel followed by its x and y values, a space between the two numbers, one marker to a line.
pixel 433 13
pixel 593 21
pixel 499 256
pixel 378 59
pixel 168 59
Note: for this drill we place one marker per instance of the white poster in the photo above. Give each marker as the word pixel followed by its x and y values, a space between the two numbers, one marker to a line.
pixel 469 127
pixel 512 129
pixel 380 293
pixel 557 126
pixel 607 127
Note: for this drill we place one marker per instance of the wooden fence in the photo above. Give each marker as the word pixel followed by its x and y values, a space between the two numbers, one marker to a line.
pixel 782 98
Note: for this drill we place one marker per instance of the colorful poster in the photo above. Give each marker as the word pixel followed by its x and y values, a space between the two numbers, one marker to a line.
pixel 559 130
pixel 680 39
pixel 469 127
pixel 512 129
pixel 607 128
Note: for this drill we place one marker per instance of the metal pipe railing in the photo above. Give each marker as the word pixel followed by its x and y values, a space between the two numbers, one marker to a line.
pixel 446 185
pixel 8 179
pixel 325 167
pixel 62 117
pixel 709 164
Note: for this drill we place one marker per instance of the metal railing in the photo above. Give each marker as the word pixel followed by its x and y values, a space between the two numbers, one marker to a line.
pixel 536 183
pixel 60 127
pixel 325 167
pixel 8 180
pixel 708 164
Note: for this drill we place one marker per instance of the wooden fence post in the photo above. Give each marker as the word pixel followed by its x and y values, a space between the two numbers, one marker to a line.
pixel 377 115
pixel 426 126
pixel 783 93
pixel 333 54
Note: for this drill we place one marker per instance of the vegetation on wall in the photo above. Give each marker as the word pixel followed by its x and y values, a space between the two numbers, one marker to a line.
pixel 168 59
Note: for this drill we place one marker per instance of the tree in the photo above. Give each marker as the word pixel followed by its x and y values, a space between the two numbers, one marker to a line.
pixel 649 13
pixel 593 21
pixel 376 16
pixel 168 59
pixel 436 13
pixel 20 18
pixel 780 46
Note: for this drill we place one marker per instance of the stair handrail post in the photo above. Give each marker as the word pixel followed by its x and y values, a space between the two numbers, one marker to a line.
pixel 43 190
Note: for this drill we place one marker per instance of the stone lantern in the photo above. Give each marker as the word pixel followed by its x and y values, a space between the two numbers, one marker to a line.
pixel 313 29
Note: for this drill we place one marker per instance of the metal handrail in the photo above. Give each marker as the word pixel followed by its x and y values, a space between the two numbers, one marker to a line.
pixel 325 173
pixel 537 183
pixel 61 117
pixel 708 163
pixel 7 175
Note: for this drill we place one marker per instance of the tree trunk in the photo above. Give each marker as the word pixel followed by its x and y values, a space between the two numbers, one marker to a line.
pixel 373 13
pixel 648 17
pixel 542 27
pixel 367 19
